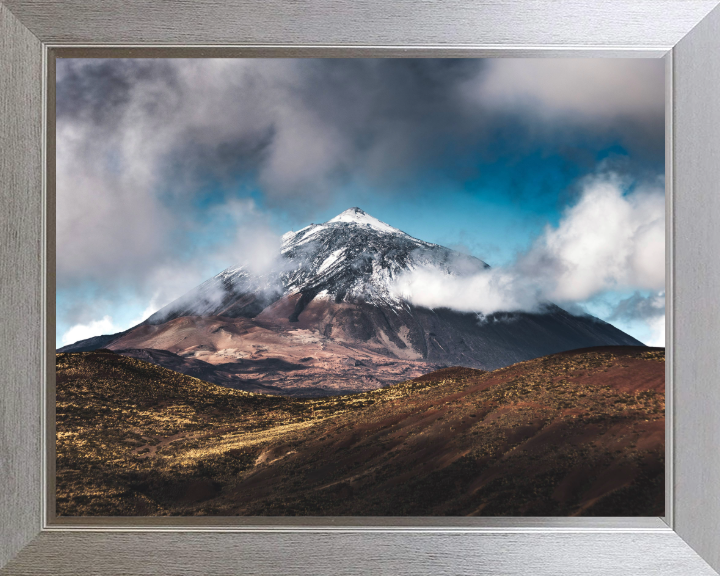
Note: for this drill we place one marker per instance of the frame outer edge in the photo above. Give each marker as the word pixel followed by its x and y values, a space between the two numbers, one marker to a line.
pixel 170 553
pixel 697 285
pixel 20 297
pixel 374 22
pixel 20 283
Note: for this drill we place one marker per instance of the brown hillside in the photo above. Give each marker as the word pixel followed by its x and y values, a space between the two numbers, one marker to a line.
pixel 578 433
pixel 264 357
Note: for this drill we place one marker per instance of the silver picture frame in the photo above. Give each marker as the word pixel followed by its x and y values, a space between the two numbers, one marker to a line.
pixel 686 33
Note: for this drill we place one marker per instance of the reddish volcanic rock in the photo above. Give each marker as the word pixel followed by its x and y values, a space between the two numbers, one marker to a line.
pixel 261 355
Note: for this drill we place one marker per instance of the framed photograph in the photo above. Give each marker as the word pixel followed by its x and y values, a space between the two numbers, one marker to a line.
pixel 254 344
pixel 264 222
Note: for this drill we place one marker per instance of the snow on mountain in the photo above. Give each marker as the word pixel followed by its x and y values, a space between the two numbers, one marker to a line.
pixel 352 257
pixel 357 216
pixel 355 257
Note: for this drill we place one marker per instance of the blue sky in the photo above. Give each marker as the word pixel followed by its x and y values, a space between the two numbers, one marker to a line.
pixel 171 170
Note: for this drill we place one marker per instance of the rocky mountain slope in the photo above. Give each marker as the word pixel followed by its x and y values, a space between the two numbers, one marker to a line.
pixel 329 301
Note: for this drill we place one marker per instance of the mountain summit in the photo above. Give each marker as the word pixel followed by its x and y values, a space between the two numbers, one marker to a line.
pixel 326 319
pixel 357 216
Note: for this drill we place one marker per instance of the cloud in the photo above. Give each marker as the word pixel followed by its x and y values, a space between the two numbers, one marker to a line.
pixel 612 239
pixel 657 329
pixel 609 240
pixel 646 310
pixel 640 307
pixel 140 142
pixel 298 126
pixel 301 128
pixel 83 331
pixel 251 241
pixel 488 291
pixel 106 325
pixel 235 233
pixel 590 90
pixel 595 96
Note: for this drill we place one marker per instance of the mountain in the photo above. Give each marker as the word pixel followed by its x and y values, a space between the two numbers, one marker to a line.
pixel 353 258
pixel 576 433
pixel 324 318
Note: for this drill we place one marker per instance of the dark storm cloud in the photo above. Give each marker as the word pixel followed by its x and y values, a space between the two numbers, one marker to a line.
pixel 298 127
pixel 100 91
pixel 305 127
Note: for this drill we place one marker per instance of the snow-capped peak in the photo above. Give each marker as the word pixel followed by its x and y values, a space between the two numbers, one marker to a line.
pixel 361 218
pixel 350 258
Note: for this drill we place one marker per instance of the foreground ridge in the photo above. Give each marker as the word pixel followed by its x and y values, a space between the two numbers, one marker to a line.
pixel 578 433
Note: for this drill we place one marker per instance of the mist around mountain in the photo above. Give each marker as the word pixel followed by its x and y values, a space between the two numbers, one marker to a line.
pixel 329 315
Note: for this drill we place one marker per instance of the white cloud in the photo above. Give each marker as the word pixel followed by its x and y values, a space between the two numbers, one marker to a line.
pixel 253 243
pixel 249 242
pixel 609 241
pixel 124 174
pixel 150 309
pixel 94 328
pixel 136 139
pixel 657 327
pixel 486 292
pixel 643 314
pixel 106 325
